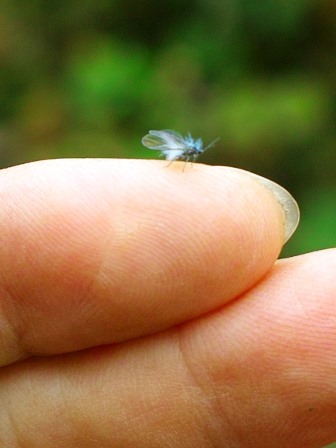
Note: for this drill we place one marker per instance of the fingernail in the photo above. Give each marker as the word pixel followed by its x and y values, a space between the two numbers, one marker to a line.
pixel 287 203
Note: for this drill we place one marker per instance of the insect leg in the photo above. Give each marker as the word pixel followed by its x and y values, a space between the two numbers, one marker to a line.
pixel 170 163
pixel 185 162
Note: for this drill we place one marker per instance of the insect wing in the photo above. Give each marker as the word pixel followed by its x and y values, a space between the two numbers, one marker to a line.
pixel 166 140
pixel 151 142
pixel 173 154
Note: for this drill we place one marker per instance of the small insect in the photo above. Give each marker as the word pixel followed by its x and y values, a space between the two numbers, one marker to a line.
pixel 175 147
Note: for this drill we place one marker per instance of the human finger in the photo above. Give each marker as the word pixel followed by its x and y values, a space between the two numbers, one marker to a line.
pixel 100 251
pixel 259 372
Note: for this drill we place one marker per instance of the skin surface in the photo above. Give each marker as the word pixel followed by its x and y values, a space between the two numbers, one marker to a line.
pixel 144 307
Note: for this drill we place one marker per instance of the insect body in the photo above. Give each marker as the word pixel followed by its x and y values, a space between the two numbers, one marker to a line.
pixel 173 146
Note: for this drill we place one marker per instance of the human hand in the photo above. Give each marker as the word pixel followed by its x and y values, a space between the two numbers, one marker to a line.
pixel 143 307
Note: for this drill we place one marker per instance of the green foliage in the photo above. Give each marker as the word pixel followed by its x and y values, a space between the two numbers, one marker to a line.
pixel 107 82
pixel 81 78
pixel 317 230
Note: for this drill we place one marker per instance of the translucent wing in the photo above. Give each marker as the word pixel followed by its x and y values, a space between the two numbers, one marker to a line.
pixel 166 140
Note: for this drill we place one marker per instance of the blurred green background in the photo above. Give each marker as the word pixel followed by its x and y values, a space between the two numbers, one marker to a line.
pixel 89 79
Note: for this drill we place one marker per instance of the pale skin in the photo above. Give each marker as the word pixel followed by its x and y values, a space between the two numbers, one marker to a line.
pixel 144 307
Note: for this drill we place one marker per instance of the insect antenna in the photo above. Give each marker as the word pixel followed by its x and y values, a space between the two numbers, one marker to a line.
pixel 212 143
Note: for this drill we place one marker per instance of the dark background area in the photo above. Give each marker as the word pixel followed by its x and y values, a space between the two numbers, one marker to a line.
pixel 89 79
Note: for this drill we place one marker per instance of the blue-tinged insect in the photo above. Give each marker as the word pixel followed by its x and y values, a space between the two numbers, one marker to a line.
pixel 175 147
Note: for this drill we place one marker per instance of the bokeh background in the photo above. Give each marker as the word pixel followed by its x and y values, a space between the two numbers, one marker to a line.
pixel 88 79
